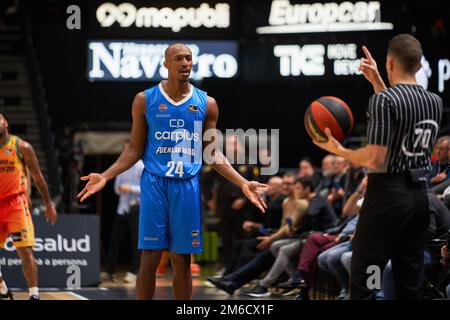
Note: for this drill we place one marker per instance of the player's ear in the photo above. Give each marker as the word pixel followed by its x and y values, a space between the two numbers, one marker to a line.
pixel 165 64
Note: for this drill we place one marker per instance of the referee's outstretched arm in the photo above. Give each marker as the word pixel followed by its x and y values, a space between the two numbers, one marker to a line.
pixel 371 156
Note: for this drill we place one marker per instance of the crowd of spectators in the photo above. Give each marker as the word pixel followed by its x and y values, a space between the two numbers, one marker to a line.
pixel 308 228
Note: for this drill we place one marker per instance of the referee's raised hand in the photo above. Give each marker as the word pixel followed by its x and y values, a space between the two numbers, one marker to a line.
pixel 368 67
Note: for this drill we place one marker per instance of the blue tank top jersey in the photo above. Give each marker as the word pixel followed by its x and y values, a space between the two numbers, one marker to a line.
pixel 174 138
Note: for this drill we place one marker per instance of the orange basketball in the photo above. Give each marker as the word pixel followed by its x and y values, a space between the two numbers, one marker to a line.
pixel 328 112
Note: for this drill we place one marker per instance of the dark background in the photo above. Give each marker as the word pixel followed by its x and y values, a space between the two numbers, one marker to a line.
pixel 257 98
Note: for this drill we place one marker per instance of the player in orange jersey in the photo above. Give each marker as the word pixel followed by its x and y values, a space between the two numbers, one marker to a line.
pixel 16 157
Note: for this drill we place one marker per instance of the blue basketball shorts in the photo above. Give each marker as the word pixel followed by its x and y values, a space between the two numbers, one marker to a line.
pixel 170 214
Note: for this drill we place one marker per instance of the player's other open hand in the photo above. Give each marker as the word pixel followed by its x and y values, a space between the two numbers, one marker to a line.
pixel 250 190
pixel 50 214
pixel 96 182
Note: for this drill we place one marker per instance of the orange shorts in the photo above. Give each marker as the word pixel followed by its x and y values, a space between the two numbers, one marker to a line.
pixel 15 221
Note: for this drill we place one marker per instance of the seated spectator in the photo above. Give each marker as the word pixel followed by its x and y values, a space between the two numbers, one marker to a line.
pixel 294 207
pixel 306 169
pixel 439 172
pixel 284 251
pixel 318 243
pixel 352 179
pixel 438 228
pixel 275 196
pixel 319 216
pixel 330 260
pixel 439 178
pixel 336 196
pixel 326 183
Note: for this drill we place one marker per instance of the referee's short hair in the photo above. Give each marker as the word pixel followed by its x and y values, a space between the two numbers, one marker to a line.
pixel 307 182
pixel 408 51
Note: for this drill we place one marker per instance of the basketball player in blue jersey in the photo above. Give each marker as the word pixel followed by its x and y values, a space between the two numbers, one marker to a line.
pixel 167 133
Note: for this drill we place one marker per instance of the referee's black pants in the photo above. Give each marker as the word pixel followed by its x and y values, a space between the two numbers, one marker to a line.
pixel 392 225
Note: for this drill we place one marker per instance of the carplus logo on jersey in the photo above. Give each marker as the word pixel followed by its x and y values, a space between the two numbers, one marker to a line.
pixel 179 133
pixel 126 14
pixel 324 17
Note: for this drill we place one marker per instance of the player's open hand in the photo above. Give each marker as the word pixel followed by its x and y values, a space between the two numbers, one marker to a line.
pixel 332 145
pixel 96 182
pixel 368 66
pixel 50 214
pixel 251 192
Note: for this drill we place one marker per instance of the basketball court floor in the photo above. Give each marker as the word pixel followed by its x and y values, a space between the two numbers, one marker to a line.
pixel 119 290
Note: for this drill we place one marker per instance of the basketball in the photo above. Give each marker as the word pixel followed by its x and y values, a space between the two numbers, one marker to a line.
pixel 328 112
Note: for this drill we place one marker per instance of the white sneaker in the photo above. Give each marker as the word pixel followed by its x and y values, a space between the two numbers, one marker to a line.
pixel 130 278
pixel 219 274
pixel 208 284
pixel 290 293
pixel 259 292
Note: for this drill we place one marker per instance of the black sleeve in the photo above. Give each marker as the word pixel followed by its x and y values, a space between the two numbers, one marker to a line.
pixel 315 207
pixel 432 227
pixel 380 121
pixel 274 214
pixel 433 205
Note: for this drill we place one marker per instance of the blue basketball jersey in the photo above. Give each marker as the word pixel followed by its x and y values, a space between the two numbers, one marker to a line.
pixel 174 137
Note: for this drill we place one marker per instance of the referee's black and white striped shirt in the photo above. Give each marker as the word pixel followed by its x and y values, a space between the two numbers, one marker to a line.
pixel 405 118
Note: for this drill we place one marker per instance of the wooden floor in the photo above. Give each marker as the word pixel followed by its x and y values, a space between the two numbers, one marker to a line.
pixel 117 293
pixel 121 290
pixel 56 295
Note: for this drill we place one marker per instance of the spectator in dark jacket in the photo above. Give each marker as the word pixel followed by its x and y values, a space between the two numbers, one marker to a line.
pixel 245 249
pixel 318 217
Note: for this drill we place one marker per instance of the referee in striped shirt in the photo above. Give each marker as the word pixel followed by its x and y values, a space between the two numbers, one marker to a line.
pixel 403 124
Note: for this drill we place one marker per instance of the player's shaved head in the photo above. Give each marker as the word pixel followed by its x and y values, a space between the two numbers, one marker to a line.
pixel 174 48
pixel 178 61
